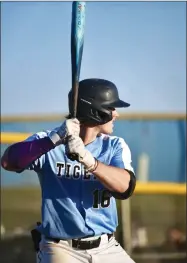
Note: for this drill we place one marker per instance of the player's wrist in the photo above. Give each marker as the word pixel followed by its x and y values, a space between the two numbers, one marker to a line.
pixel 59 134
pixel 54 137
pixel 93 168
pixel 88 161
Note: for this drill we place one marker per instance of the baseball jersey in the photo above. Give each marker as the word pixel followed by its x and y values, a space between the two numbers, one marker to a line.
pixel 74 202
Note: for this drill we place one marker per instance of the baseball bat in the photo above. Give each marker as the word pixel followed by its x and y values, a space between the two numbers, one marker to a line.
pixel 77 43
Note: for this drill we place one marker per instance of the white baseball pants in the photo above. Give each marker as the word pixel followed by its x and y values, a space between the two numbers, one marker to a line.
pixel 62 252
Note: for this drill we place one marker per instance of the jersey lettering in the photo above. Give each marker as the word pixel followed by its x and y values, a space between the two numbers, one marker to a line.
pixel 59 166
pixel 68 169
pixel 76 172
pixel 86 175
pixel 71 171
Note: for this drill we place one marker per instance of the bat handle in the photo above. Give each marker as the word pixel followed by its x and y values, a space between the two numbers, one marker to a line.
pixel 75 97
pixel 72 156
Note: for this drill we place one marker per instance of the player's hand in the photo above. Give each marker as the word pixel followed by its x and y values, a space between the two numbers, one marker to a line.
pixel 76 150
pixel 70 127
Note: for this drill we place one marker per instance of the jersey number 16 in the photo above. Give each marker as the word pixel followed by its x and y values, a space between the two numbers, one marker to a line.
pixel 101 198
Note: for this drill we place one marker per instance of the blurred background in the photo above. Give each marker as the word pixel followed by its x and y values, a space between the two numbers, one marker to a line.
pixel 141 47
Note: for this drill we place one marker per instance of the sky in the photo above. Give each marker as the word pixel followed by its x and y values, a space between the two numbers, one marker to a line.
pixel 140 46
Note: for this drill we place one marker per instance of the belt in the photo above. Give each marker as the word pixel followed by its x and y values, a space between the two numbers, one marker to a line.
pixel 82 244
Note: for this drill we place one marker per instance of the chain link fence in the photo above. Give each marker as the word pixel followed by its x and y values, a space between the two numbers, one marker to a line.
pixel 157 225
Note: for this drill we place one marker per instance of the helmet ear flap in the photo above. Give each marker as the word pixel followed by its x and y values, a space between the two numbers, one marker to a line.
pixel 103 115
pixel 99 117
pixel 92 114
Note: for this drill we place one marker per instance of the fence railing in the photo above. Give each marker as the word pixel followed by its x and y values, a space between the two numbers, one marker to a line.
pixel 124 116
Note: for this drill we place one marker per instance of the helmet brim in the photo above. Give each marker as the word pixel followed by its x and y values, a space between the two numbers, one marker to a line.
pixel 117 104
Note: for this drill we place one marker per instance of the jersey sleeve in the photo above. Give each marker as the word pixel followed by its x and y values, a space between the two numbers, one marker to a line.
pixel 38 163
pixel 122 156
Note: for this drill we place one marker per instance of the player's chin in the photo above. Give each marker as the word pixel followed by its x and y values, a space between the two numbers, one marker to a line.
pixel 108 131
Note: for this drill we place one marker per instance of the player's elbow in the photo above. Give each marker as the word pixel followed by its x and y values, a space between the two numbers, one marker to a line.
pixel 124 185
pixel 121 184
pixel 129 190
pixel 6 163
pixel 4 160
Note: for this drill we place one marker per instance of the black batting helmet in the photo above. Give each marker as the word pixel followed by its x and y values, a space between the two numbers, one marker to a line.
pixel 96 98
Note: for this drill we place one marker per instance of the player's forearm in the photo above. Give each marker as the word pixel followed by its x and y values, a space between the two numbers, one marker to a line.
pixel 20 155
pixel 113 178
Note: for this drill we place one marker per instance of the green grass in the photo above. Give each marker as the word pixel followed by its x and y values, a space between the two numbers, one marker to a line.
pixel 20 207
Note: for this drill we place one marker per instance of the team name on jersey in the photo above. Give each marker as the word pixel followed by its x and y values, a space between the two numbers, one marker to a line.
pixel 73 171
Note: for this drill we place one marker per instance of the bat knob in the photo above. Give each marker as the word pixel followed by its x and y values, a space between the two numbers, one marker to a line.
pixel 72 156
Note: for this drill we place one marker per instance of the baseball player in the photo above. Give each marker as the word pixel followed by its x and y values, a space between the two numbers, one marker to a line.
pixel 82 169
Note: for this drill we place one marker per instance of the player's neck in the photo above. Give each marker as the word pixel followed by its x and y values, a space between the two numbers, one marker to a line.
pixel 88 134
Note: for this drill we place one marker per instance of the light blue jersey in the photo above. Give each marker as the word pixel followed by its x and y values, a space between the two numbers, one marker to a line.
pixel 74 203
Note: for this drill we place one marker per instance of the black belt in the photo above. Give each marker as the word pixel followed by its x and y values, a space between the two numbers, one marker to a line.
pixel 81 244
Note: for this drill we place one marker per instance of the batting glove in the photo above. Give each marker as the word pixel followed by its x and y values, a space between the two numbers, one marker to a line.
pixel 70 127
pixel 75 147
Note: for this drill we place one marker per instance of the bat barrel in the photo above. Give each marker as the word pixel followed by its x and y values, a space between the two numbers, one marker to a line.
pixel 77 43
